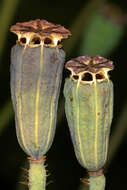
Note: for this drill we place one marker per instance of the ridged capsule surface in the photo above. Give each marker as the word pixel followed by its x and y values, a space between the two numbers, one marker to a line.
pixel 36 72
pixel 89 110
pixel 89 114
pixel 35 85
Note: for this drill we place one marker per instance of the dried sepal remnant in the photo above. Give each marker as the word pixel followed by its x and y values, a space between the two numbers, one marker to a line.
pixel 37 32
pixel 36 161
pixel 96 173
pixel 89 68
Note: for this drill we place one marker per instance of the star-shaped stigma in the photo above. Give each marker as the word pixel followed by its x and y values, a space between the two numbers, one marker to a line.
pixel 38 32
pixel 89 69
pixel 41 28
pixel 91 64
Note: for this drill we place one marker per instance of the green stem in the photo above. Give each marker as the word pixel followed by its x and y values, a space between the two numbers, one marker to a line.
pixel 37 174
pixel 97 182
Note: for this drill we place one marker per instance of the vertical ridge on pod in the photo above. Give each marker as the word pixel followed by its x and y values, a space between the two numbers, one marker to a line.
pixel 51 114
pixel 77 121
pixel 19 104
pixel 37 98
pixel 96 126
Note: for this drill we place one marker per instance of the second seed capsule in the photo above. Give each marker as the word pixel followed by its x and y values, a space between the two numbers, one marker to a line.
pixel 89 109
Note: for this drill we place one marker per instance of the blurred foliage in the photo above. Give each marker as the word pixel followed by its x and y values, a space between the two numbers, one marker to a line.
pixel 97 28
pixel 81 21
pixel 7 12
pixel 103 33
pixel 6 114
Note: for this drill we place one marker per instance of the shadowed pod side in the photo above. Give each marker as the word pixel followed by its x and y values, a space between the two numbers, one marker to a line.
pixel 89 109
pixel 36 71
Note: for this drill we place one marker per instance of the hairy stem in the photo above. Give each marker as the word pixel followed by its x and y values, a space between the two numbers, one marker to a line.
pixel 37 175
pixel 97 182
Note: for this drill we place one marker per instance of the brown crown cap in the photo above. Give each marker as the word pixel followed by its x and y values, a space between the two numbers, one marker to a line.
pixel 41 29
pixel 89 64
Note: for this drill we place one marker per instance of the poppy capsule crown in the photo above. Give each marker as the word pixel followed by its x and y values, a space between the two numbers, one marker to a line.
pixel 40 32
pixel 89 69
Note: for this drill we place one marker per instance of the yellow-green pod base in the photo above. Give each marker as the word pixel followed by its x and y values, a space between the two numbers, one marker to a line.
pixel 89 113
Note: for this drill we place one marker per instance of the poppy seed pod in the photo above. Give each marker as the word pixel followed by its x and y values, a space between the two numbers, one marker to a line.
pixel 36 71
pixel 89 109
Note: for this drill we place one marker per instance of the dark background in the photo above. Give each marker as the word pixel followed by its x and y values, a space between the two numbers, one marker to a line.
pixel 61 161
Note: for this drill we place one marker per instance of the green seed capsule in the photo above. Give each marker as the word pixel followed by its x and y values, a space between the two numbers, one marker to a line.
pixel 89 107
pixel 36 73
